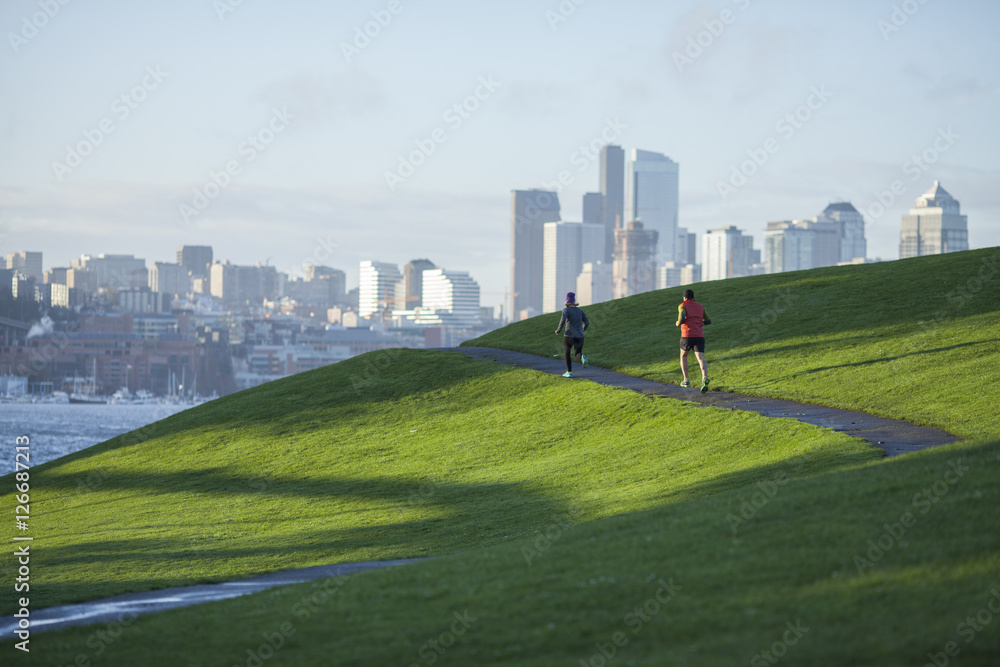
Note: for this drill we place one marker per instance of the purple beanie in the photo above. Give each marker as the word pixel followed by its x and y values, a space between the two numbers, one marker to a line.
pixel 570 297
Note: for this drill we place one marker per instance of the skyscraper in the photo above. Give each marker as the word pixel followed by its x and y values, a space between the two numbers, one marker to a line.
pixel 195 258
pixel 530 210
pixel 413 281
pixel 934 226
pixel 727 253
pixel 568 245
pixel 379 284
pixel 634 268
pixel 592 208
pixel 612 195
pixel 850 228
pixel 652 198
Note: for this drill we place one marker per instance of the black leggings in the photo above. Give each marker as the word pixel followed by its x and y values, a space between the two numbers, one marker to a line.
pixel 568 344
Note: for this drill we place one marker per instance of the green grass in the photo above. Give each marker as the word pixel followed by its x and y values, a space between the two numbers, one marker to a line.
pixel 915 339
pixel 793 561
pixel 389 455
pixel 555 508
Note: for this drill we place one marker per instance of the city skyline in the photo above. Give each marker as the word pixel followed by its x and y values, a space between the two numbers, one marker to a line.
pixel 285 134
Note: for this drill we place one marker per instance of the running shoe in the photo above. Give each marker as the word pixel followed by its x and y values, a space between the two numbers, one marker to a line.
pixel 567 374
pixel 704 385
pixel 686 383
pixel 584 358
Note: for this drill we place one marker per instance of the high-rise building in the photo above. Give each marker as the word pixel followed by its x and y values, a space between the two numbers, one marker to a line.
pixel 121 271
pixel 727 253
pixel 167 278
pixel 413 281
pixel 450 298
pixel 850 229
pixel 794 245
pixel 652 198
pixel 530 210
pixel 934 226
pixel 687 247
pixel 634 268
pixel 594 284
pixel 612 196
pixel 568 245
pixel 380 285
pixel 195 258
pixel 837 235
pixel 244 285
pixel 28 263
pixel 592 208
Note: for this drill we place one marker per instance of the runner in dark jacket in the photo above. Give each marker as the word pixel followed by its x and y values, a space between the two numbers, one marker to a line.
pixel 576 322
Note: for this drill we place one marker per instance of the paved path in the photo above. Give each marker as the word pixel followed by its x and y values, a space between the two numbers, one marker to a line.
pixel 127 607
pixel 895 437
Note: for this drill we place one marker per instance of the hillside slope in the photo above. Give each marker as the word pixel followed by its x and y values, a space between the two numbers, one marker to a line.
pixel 915 339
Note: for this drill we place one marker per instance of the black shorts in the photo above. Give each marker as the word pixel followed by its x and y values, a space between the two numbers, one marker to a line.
pixel 569 341
pixel 696 344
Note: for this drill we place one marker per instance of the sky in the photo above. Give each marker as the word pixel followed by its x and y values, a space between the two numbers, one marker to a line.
pixel 329 133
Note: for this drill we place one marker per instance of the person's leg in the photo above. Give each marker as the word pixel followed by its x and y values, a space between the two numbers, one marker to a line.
pixel 700 356
pixel 684 364
pixel 568 348
pixel 578 344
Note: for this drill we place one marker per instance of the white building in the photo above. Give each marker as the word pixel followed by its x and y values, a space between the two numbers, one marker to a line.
pixel 380 285
pixel 851 229
pixel 651 183
pixel 728 253
pixel 934 226
pixel 28 263
pixel 567 247
pixel 450 298
pixel 837 235
pixel 594 284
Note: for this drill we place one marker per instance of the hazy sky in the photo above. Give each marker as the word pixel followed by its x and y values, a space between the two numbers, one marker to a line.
pixel 115 112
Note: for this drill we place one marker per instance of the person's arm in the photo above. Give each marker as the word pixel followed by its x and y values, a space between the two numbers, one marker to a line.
pixel 562 320
pixel 586 322
pixel 681 315
pixel 705 319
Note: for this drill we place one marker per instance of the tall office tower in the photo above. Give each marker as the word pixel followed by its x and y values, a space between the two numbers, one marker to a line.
pixel 530 210
pixel 195 258
pixel 727 253
pixel 794 245
pixel 592 203
pixel 165 278
pixel 635 260
pixel 652 196
pixel 28 263
pixel 379 288
pixel 450 298
pixel 850 230
pixel 594 284
pixel 568 245
pixel 934 226
pixel 612 196
pixel 413 280
pixel 687 247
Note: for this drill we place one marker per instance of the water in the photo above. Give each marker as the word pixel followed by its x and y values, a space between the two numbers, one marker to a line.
pixel 58 429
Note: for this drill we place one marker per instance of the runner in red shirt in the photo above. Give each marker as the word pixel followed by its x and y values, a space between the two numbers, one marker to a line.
pixel 691 316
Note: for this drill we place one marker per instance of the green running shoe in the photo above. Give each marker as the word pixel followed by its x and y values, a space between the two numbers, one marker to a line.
pixel 704 385
pixel 686 383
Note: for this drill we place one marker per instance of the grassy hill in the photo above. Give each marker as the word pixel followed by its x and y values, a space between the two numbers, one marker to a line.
pixel 915 339
pixel 569 521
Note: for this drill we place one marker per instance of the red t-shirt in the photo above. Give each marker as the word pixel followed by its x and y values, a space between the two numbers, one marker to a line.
pixel 694 320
